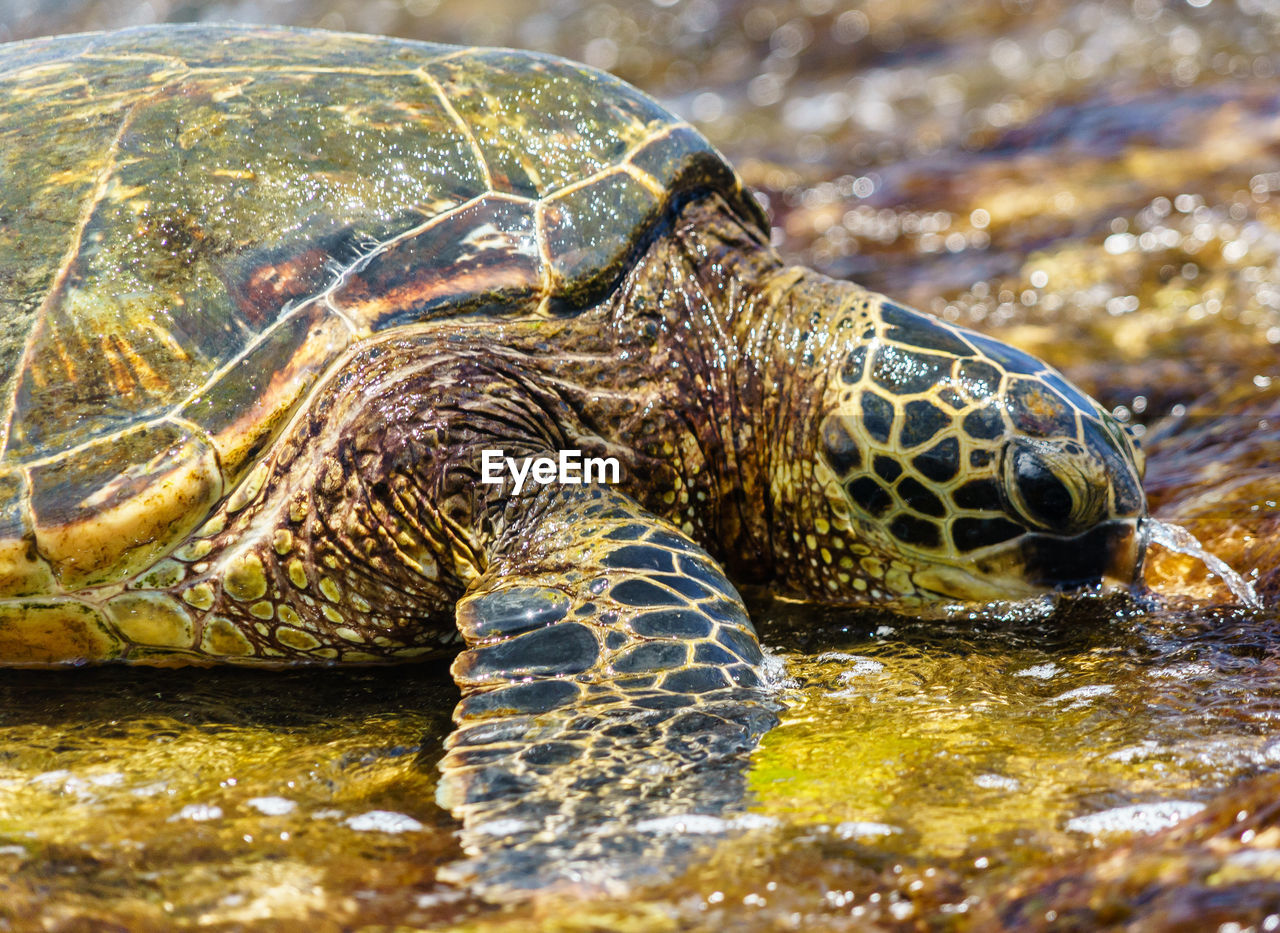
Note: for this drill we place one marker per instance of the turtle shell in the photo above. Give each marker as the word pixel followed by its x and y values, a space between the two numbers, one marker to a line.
pixel 197 222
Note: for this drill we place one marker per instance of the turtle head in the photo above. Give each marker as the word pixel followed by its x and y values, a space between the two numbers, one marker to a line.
pixel 954 466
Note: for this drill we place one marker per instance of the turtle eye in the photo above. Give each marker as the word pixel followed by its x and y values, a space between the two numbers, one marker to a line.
pixel 1051 488
pixel 1039 493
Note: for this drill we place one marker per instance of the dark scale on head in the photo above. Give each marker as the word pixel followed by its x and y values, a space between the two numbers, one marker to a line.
pixel 877 416
pixel 977 379
pixel 1014 361
pixel 981 458
pixel 887 468
pixel 985 424
pixel 941 462
pixel 982 495
pixel 918 532
pixel 842 450
pixel 923 420
pixel 1128 498
pixel 915 496
pixel 973 533
pixel 905 372
pixel 917 330
pixel 870 495
pixel 1038 411
pixel 851 372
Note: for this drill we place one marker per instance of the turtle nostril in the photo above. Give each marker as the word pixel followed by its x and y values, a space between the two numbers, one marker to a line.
pixel 1040 494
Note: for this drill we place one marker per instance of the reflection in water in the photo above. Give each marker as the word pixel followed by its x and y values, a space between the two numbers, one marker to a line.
pixel 155 797
pixel 967 735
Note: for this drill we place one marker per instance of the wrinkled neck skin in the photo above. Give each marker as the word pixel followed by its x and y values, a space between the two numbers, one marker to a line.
pixel 797 331
pixel 703 373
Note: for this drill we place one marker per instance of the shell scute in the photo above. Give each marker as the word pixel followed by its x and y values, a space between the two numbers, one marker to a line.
pixel 152 619
pixel 483 256
pixel 585 266
pixel 543 123
pixel 50 632
pixel 118 505
pixel 99 361
pixel 680 159
pixel 164 279
pixel 243 407
pixel 23 572
pixel 200 46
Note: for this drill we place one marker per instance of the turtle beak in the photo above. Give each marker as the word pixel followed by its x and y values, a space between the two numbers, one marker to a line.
pixel 1128 553
pixel 1111 552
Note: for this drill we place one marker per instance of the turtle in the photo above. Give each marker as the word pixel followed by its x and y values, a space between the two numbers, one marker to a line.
pixel 337 349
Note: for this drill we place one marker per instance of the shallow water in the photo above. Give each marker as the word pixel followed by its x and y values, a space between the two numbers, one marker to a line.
pixel 976 750
pixel 1094 182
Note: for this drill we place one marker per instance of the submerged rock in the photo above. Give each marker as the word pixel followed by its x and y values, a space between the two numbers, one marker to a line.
pixel 1219 867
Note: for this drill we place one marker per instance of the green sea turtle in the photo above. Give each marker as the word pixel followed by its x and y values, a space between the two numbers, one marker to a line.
pixel 336 349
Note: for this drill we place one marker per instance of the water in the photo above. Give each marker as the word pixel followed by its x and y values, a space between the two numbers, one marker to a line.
pixel 919 762
pixel 1176 538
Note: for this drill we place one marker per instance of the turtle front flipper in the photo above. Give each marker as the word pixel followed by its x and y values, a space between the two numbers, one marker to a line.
pixel 612 694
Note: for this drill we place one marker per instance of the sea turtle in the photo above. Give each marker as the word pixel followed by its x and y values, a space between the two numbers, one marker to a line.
pixel 337 349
